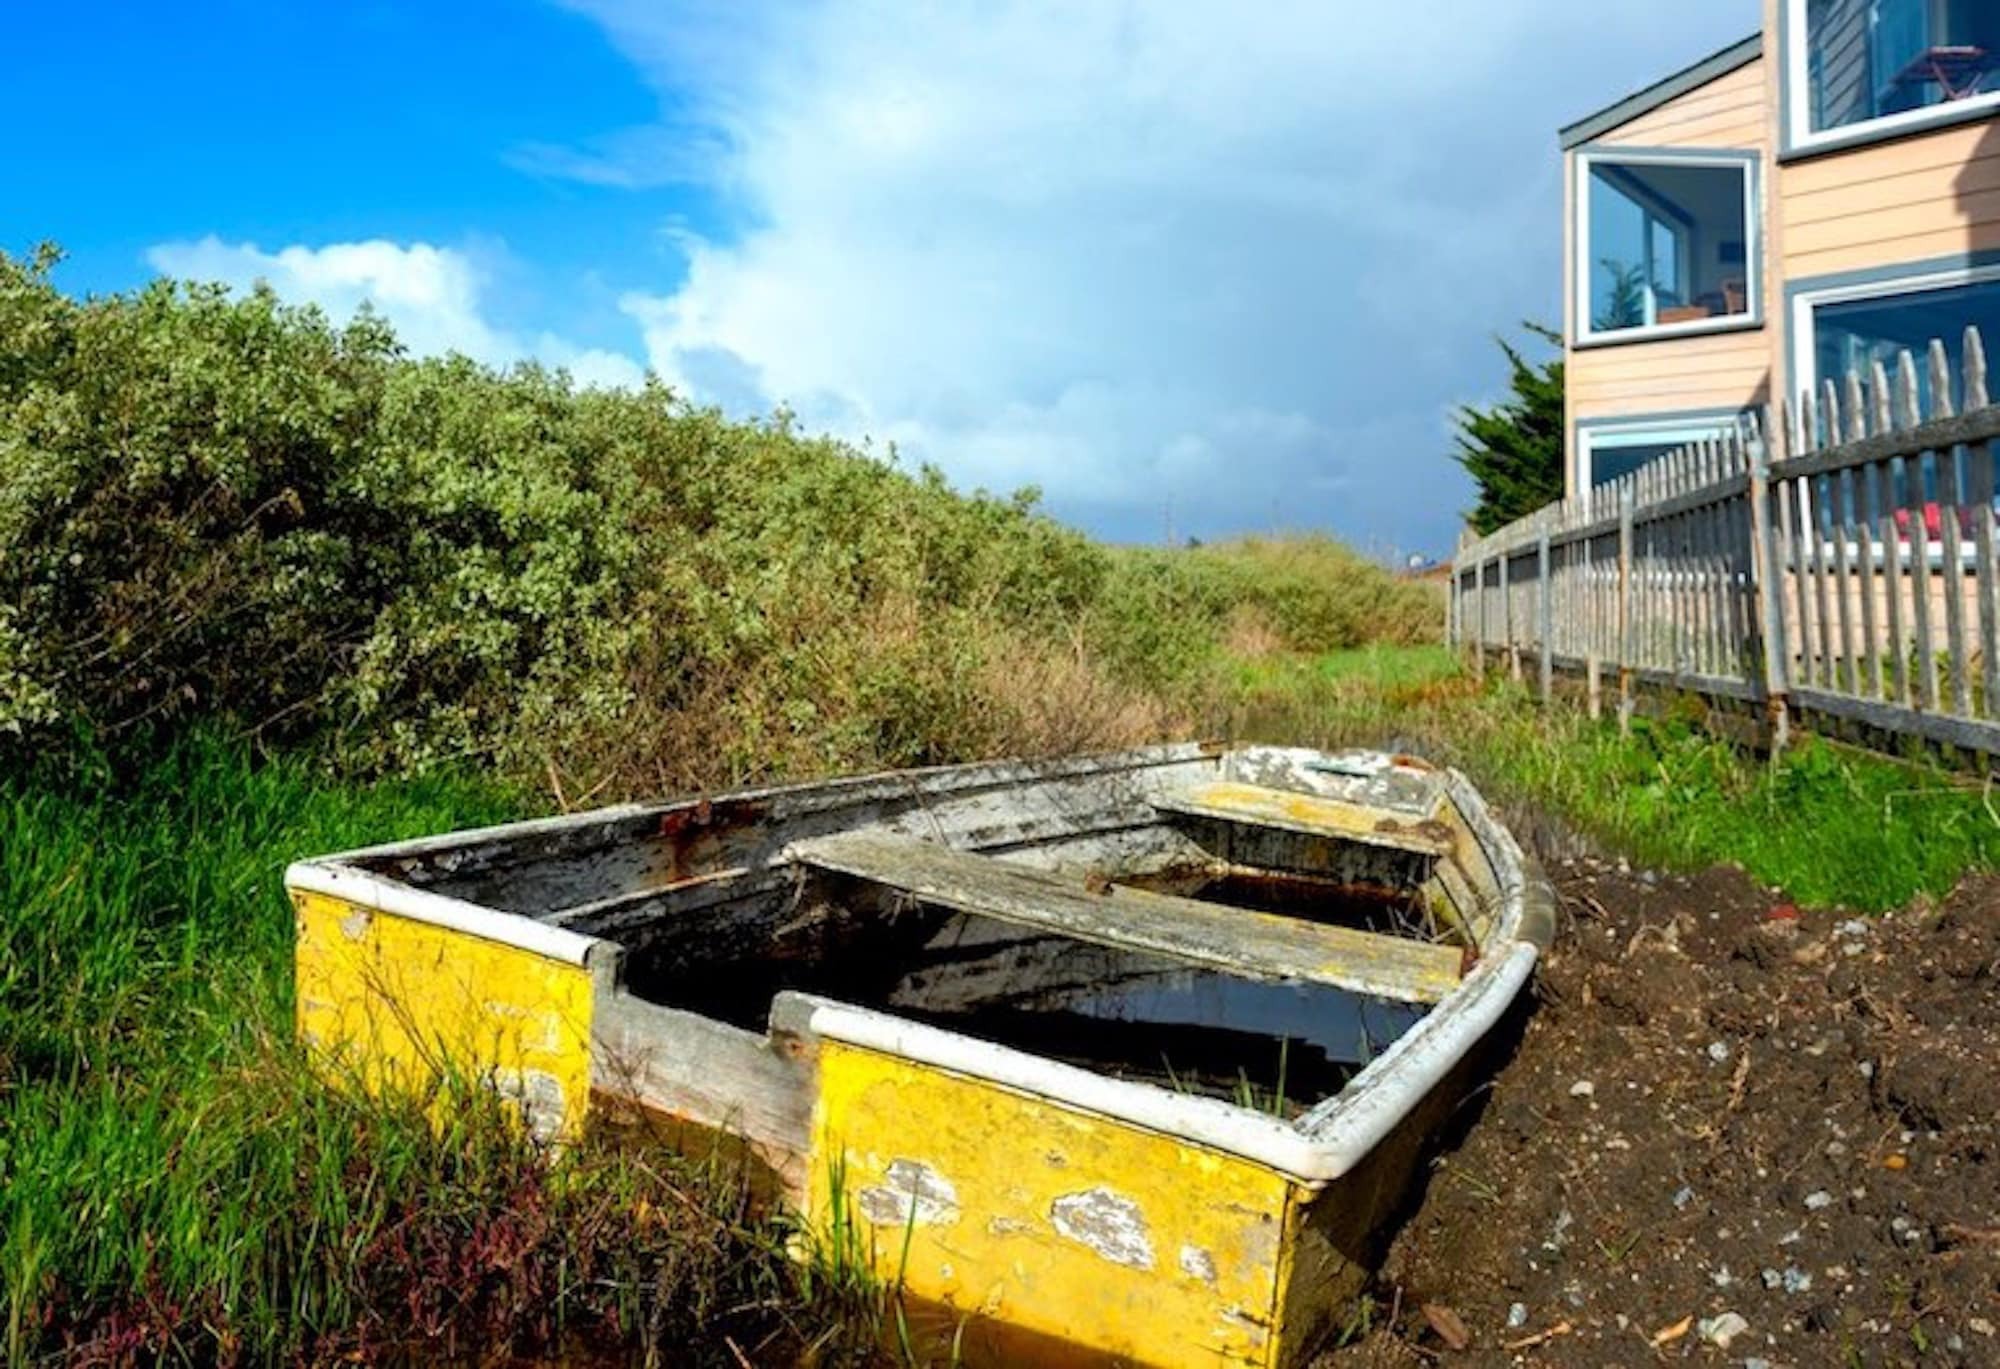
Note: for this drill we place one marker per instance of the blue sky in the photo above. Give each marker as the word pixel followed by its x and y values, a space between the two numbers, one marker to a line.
pixel 1170 261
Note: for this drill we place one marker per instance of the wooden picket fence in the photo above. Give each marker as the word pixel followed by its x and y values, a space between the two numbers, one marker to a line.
pixel 1834 557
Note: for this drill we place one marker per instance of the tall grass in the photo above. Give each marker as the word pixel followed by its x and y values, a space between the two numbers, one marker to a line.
pixel 1829 825
pixel 175 1181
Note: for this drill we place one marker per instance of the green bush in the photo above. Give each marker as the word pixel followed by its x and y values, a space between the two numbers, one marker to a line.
pixel 218 507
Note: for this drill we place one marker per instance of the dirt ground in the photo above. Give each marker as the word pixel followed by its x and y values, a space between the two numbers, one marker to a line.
pixel 1733 1132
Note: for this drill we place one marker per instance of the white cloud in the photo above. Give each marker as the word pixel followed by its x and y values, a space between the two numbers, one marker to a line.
pixel 433 296
pixel 1235 260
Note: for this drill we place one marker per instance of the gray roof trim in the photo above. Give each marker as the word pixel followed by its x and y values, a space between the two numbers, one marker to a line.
pixel 1730 59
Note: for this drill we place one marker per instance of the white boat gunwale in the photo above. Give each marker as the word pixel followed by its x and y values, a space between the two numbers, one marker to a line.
pixel 1315 1148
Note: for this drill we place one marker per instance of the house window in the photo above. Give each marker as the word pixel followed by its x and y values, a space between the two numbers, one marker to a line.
pixel 1608 451
pixel 1664 244
pixel 1849 330
pixel 1890 64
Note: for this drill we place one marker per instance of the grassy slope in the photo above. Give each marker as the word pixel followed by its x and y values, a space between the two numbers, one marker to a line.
pixel 174 1182
pixel 1827 824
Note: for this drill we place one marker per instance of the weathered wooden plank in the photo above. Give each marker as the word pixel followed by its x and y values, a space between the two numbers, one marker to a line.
pixel 1954 582
pixel 1920 583
pixel 1231 939
pixel 1892 572
pixel 651 1064
pixel 1764 565
pixel 1310 814
pixel 1626 625
pixel 1979 501
pixel 1973 734
pixel 1980 426
pixel 1545 630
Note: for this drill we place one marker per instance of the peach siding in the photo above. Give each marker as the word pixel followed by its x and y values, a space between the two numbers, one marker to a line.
pixel 1729 112
pixel 1710 371
pixel 1931 195
pixel 1721 370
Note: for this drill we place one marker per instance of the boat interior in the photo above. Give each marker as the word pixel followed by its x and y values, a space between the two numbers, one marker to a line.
pixel 1249 924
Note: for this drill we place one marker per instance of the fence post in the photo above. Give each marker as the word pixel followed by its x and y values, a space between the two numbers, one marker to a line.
pixel 1625 631
pixel 1545 613
pixel 1479 633
pixel 1764 570
pixel 1454 609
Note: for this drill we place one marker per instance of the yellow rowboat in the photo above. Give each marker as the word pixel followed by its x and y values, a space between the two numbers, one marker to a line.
pixel 1119 1059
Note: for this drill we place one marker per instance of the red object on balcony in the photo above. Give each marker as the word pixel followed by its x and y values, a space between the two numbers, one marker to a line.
pixel 1933 522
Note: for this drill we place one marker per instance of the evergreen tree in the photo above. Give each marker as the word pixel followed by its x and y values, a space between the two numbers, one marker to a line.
pixel 1514 450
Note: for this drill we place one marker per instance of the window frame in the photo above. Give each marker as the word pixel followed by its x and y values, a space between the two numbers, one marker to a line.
pixel 1747 162
pixel 1808 299
pixel 1647 430
pixel 1802 139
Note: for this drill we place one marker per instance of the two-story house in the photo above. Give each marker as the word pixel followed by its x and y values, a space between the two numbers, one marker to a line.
pixel 1819 195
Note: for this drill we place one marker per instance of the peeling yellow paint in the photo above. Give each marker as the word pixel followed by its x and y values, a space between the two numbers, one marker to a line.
pixel 400 1002
pixel 1088 1232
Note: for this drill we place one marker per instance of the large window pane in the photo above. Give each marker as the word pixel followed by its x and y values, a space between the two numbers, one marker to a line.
pixel 1851 336
pixel 1868 59
pixel 1615 454
pixel 1667 244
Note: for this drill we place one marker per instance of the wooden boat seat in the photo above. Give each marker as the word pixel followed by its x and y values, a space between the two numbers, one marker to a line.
pixel 1254 806
pixel 1256 944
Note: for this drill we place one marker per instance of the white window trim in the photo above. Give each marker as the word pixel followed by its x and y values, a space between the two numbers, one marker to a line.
pixel 1639 432
pixel 1798 86
pixel 1805 340
pixel 1745 165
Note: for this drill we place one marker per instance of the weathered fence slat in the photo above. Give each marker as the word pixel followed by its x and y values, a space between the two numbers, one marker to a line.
pixel 1839 552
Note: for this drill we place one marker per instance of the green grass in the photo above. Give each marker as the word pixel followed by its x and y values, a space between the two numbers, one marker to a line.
pixel 176 1183
pixel 1830 825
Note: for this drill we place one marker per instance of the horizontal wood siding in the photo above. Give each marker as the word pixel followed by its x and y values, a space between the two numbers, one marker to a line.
pixel 1718 371
pixel 1713 371
pixel 1932 195
pixel 1729 112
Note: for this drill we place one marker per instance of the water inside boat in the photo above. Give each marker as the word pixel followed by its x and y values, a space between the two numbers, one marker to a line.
pixel 1275 1044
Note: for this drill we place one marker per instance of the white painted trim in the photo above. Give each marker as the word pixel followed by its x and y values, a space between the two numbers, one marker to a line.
pixel 1377 1100
pixel 474 836
pixel 1746 163
pixel 1644 434
pixel 1188 1117
pixel 1798 90
pixel 1368 1109
pixel 364 890
pixel 1805 340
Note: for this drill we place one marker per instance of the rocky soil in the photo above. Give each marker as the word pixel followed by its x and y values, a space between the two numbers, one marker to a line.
pixel 1734 1132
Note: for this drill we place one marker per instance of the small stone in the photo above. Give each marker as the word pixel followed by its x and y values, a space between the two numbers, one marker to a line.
pixel 1818 1199
pixel 1796 1280
pixel 1582 1088
pixel 1719 1331
pixel 1756 1362
pixel 1867 1068
pixel 1718 1051
pixel 1682 1197
pixel 1791 1238
pixel 1448 1325
pixel 1722 1278
pixel 1854 926
pixel 1979 1326
pixel 1517 1316
pixel 1772 1278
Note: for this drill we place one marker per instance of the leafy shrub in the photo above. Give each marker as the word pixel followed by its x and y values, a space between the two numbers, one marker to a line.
pixel 219 507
